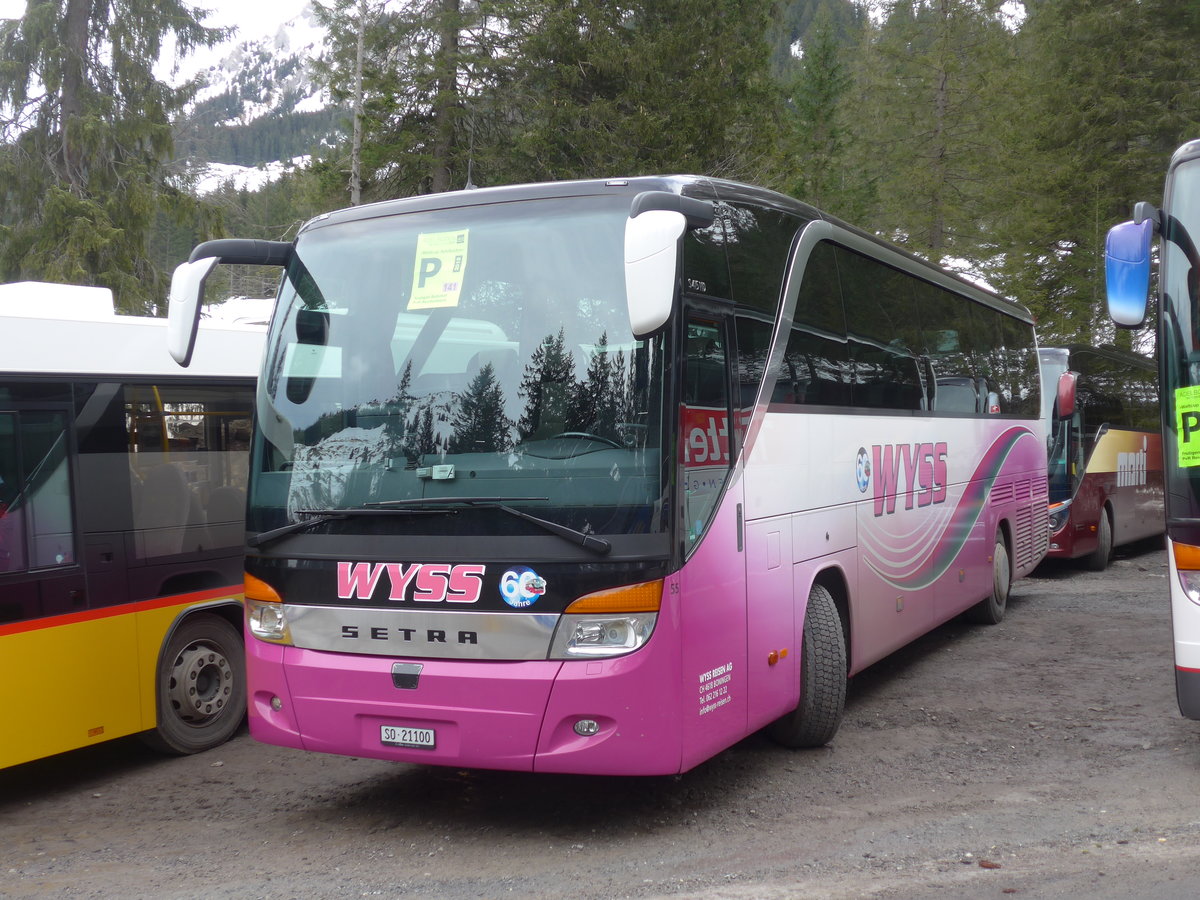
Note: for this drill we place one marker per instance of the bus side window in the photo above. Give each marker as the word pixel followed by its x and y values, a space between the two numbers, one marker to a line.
pixel 1021 380
pixel 704 425
pixel 817 354
pixel 37 524
pixel 12 530
pixel 881 321
pixel 753 345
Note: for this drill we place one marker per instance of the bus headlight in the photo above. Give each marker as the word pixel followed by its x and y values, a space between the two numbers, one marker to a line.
pixel 268 622
pixel 608 623
pixel 1187 564
pixel 1058 516
pixel 1190 581
pixel 577 637
pixel 264 612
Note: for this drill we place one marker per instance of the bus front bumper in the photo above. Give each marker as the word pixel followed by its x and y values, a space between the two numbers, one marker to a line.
pixel 611 716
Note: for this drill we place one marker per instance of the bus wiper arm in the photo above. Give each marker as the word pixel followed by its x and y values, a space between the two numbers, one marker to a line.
pixel 583 539
pixel 319 516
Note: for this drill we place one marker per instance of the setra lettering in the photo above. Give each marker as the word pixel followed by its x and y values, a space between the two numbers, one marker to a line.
pixel 407 635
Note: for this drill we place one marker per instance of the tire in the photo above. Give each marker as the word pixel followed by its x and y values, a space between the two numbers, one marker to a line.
pixel 200 687
pixel 815 720
pixel 990 610
pixel 1098 559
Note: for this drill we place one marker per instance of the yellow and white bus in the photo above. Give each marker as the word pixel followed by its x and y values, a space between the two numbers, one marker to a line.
pixel 122 508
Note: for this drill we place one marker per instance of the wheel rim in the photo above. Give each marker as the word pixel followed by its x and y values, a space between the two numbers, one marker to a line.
pixel 201 684
pixel 1000 580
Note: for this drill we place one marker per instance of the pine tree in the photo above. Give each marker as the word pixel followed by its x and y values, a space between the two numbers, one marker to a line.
pixel 627 88
pixel 419 60
pixel 924 95
pixel 819 82
pixel 478 420
pixel 1105 91
pixel 86 137
pixel 546 388
pixel 594 408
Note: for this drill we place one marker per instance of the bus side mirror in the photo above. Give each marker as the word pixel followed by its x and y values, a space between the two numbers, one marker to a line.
pixel 1064 404
pixel 651 267
pixel 187 284
pixel 1127 271
pixel 657 220
pixel 183 307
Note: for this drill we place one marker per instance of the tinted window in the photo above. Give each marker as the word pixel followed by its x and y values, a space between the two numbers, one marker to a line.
pixel 882 325
pixel 759 243
pixel 817 368
pixel 1020 378
pixel 704 425
pixel 754 343
pixel 705 270
pixel 36 520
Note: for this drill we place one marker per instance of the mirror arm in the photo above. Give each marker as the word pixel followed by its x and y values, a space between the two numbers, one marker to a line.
pixel 241 251
pixel 1143 210
pixel 699 213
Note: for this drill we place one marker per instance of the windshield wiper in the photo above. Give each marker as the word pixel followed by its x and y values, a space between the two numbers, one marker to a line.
pixel 587 541
pixel 319 516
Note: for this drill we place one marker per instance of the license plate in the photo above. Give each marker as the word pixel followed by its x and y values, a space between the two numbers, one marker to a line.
pixel 395 736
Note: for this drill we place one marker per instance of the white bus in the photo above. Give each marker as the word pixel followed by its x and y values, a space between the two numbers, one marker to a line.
pixel 603 476
pixel 1128 265
pixel 122 526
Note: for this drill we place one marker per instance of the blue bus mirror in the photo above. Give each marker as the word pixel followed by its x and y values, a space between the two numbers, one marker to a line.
pixel 651 265
pixel 1127 271
pixel 183 308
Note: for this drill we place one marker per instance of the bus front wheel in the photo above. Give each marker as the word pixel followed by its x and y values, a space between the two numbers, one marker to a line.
pixel 201 686
pixel 1098 559
pixel 815 720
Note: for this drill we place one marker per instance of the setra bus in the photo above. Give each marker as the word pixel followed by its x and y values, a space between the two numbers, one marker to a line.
pixel 603 476
pixel 1128 264
pixel 122 508
pixel 1105 451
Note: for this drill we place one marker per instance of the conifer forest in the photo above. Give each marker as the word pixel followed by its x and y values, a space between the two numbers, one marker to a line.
pixel 1001 139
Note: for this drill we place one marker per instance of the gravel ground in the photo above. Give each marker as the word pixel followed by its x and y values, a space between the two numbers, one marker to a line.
pixel 1043 757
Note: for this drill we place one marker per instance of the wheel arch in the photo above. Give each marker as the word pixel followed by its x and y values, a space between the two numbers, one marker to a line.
pixel 833 579
pixel 228 609
pixel 1004 528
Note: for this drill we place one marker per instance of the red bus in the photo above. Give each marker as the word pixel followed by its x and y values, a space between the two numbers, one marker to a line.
pixel 1105 452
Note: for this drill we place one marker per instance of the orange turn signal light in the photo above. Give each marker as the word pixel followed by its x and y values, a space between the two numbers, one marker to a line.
pixel 257 589
pixel 644 597
pixel 1187 557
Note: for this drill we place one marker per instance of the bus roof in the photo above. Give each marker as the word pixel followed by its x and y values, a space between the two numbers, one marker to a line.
pixel 69 330
pixel 687 185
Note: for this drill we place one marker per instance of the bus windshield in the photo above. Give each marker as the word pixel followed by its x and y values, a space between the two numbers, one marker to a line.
pixel 1181 339
pixel 473 352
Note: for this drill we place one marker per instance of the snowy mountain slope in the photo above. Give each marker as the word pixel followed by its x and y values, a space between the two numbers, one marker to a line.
pixel 261 111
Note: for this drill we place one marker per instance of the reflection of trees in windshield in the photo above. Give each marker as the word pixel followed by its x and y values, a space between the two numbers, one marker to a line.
pixel 478 419
pixel 551 399
pixel 547 388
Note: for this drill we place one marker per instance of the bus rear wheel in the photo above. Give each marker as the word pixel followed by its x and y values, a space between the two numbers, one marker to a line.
pixel 200 685
pixel 990 610
pixel 815 720
pixel 1098 559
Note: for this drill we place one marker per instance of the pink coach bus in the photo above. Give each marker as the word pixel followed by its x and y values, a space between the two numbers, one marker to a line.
pixel 602 477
